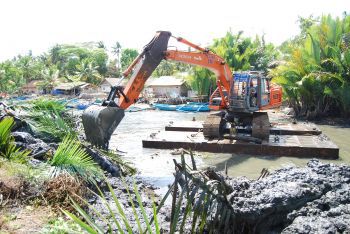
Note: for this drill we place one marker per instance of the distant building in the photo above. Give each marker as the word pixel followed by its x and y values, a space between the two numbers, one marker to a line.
pixel 106 84
pixel 72 88
pixel 32 87
pixel 168 86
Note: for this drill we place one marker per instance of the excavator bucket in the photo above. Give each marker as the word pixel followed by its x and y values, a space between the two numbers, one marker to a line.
pixel 100 122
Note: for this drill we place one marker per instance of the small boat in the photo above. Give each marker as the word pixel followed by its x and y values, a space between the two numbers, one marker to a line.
pixel 194 108
pixel 165 107
pixel 190 107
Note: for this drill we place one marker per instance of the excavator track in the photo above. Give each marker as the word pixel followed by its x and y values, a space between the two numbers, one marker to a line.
pixel 213 126
pixel 261 125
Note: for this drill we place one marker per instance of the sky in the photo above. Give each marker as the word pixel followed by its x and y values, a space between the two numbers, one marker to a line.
pixel 38 25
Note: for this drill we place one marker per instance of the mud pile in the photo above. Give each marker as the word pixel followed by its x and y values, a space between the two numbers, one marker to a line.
pixel 312 199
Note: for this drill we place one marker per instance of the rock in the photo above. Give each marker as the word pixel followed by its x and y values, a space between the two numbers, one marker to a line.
pixel 313 199
pixel 104 162
pixel 37 147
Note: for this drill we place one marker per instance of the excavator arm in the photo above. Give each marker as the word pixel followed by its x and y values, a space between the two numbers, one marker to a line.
pixel 100 121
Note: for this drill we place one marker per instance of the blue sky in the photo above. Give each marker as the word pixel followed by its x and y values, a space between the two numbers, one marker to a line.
pixel 40 24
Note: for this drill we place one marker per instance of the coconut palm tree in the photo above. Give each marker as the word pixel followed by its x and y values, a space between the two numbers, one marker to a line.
pixel 101 45
pixel 116 50
pixel 50 78
pixel 88 73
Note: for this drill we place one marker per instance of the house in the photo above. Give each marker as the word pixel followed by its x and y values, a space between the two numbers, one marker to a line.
pixel 31 87
pixel 168 86
pixel 71 88
pixel 106 84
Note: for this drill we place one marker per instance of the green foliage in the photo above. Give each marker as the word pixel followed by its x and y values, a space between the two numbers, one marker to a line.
pixel 119 217
pixel 36 175
pixel 61 226
pixel 240 53
pixel 201 80
pixel 48 120
pixel 71 158
pixel 50 125
pixel 201 204
pixel 11 77
pixel 316 74
pixel 50 78
pixel 169 68
pixel 127 57
pixel 243 53
pixel 48 104
pixel 87 72
pixel 8 148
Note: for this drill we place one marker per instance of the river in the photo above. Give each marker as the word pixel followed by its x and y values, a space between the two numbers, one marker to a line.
pixel 156 166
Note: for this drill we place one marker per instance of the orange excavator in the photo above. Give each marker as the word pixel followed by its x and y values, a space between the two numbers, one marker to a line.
pixel 239 98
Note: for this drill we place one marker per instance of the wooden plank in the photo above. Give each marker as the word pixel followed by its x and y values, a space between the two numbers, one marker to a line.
pixel 293 146
pixel 287 129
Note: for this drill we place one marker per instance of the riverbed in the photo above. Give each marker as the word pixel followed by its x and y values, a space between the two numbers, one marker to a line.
pixel 156 166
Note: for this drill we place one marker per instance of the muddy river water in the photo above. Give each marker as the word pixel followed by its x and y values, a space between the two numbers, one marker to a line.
pixel 156 166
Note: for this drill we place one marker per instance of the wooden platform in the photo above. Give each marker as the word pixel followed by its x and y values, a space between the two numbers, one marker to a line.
pixel 281 129
pixel 305 143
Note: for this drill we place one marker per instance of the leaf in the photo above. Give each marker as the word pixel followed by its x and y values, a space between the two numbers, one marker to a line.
pixel 71 158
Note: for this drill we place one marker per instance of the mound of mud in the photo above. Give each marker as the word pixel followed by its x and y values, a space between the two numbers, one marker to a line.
pixel 312 199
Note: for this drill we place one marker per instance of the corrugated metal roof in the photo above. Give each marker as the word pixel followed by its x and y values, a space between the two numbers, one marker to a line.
pixel 70 85
pixel 166 81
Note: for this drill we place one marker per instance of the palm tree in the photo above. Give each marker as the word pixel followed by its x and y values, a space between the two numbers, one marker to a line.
pixel 101 45
pixel 88 73
pixel 316 77
pixel 116 49
pixel 50 78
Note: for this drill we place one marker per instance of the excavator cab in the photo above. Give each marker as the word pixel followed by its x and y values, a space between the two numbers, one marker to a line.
pixel 252 91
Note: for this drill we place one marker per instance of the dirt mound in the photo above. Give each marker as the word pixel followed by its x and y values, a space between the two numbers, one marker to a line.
pixel 13 187
pixel 59 190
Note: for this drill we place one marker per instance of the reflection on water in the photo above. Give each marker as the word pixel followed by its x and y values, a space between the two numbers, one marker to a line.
pixel 157 165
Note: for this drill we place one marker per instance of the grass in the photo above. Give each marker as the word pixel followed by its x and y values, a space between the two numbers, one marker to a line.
pixel 72 159
pixel 61 226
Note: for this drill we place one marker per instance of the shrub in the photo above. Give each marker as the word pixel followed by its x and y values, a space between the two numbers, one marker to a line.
pixel 8 148
pixel 72 159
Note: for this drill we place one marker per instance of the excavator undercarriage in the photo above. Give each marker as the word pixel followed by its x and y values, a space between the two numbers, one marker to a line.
pixel 257 123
